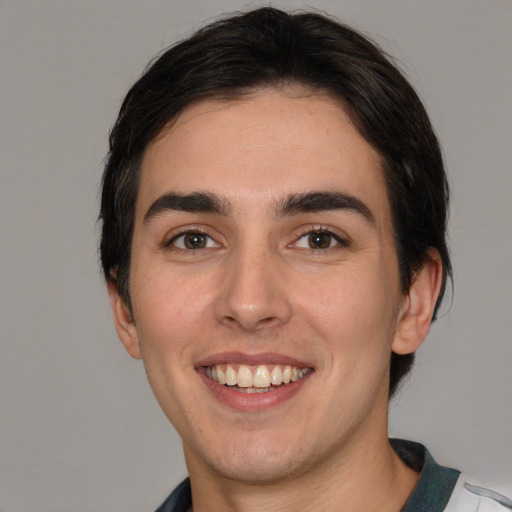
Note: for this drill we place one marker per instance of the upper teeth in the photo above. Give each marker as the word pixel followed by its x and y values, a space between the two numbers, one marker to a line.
pixel 262 376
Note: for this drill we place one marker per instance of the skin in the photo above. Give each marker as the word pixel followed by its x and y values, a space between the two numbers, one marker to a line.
pixel 258 288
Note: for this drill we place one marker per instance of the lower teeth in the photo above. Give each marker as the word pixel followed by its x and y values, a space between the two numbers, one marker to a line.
pixel 250 390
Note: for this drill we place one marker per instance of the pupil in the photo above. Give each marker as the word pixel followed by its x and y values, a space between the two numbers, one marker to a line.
pixel 319 241
pixel 195 241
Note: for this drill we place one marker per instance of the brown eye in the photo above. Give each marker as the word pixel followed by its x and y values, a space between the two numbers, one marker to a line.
pixel 320 240
pixel 192 241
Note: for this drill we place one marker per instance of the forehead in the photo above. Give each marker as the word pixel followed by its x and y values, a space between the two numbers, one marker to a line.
pixel 262 146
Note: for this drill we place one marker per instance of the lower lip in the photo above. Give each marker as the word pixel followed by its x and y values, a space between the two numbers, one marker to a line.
pixel 254 401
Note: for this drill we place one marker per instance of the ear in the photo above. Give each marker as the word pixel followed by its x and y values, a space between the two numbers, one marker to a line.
pixel 418 305
pixel 123 320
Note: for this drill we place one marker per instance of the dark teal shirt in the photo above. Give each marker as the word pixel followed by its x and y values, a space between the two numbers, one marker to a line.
pixel 431 493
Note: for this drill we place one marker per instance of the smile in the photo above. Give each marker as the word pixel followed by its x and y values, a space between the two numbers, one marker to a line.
pixel 255 378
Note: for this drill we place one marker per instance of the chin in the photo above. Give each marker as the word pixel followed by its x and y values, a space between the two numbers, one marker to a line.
pixel 261 471
pixel 256 461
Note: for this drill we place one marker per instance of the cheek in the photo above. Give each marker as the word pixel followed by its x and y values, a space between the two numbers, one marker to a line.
pixel 168 309
pixel 354 314
pixel 169 313
pixel 361 298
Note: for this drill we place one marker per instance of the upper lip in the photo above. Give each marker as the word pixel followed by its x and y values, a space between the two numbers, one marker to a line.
pixel 252 359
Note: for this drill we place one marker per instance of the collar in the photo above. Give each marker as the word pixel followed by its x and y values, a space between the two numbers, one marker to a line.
pixel 436 483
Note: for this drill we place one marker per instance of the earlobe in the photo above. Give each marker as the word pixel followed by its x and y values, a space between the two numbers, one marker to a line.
pixel 418 305
pixel 125 326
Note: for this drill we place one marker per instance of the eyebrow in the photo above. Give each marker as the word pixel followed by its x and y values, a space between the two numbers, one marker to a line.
pixel 323 201
pixel 195 202
pixel 207 202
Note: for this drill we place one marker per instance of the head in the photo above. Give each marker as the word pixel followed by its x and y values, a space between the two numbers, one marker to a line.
pixel 268 48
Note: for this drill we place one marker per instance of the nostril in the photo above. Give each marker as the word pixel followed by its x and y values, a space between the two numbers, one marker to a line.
pixel 263 323
pixel 230 320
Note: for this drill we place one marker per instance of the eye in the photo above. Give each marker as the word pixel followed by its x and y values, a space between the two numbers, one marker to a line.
pixel 192 240
pixel 319 240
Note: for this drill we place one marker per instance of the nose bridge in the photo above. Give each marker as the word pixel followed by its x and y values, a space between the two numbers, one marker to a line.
pixel 252 295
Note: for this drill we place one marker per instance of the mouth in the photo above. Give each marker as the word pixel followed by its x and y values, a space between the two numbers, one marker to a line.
pixel 260 378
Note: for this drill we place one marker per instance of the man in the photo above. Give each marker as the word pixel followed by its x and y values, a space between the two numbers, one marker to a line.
pixel 274 242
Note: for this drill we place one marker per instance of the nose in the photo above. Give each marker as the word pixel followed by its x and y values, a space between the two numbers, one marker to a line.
pixel 253 295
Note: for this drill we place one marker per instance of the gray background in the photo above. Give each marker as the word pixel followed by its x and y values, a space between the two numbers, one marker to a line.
pixel 79 428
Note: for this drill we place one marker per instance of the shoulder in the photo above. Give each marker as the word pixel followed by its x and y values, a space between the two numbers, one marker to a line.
pixel 470 495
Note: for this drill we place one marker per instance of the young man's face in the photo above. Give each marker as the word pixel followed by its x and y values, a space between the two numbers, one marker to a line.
pixel 263 244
